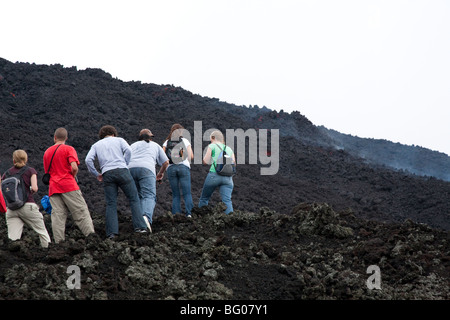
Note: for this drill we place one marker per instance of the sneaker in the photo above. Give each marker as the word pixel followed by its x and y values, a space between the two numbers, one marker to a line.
pixel 189 216
pixel 148 224
pixel 140 231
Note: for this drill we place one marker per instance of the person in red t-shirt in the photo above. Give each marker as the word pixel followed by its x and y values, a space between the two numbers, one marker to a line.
pixel 64 192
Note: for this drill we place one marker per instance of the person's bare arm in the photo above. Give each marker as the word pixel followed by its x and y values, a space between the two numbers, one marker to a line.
pixel 74 168
pixel 160 174
pixel 207 157
pixel 34 184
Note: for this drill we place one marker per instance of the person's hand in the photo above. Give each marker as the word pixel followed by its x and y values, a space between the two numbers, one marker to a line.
pixel 159 177
pixel 100 178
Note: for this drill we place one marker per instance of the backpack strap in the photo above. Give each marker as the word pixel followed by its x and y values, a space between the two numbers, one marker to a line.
pixel 20 172
pixel 222 150
pixel 23 170
pixel 51 160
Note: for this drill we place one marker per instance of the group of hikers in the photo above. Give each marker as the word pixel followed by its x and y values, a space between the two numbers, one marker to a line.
pixel 132 168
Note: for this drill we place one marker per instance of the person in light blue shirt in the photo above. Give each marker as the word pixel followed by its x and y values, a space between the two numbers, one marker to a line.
pixel 113 154
pixel 145 154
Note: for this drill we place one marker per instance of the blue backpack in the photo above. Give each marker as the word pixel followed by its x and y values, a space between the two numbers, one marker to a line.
pixel 45 201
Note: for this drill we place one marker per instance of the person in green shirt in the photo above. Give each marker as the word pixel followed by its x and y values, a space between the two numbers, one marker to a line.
pixel 214 180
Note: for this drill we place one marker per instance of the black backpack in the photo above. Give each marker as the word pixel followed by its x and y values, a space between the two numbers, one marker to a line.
pixel 175 156
pixel 225 165
pixel 14 190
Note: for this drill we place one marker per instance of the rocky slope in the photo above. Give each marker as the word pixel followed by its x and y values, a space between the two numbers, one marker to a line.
pixel 312 253
pixel 413 159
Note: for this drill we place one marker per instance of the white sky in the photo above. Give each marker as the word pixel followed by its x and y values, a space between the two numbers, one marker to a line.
pixel 375 69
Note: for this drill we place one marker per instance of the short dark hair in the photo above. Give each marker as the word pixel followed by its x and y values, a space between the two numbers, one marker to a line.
pixel 145 137
pixel 61 134
pixel 107 131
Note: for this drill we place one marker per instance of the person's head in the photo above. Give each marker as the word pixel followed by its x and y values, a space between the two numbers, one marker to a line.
pixel 216 136
pixel 20 158
pixel 175 131
pixel 60 135
pixel 107 131
pixel 145 135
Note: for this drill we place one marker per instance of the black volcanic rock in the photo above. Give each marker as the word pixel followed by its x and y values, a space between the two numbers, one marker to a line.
pixel 245 255
pixel 313 228
pixel 36 99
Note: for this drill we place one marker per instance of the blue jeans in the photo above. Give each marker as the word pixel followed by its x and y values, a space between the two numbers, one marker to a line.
pixel 225 185
pixel 112 180
pixel 145 181
pixel 180 178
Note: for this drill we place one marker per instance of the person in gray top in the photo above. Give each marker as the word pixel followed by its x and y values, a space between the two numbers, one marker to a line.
pixel 144 157
pixel 113 154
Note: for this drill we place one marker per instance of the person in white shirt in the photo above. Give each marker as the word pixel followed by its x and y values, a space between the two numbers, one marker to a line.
pixel 113 154
pixel 145 154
